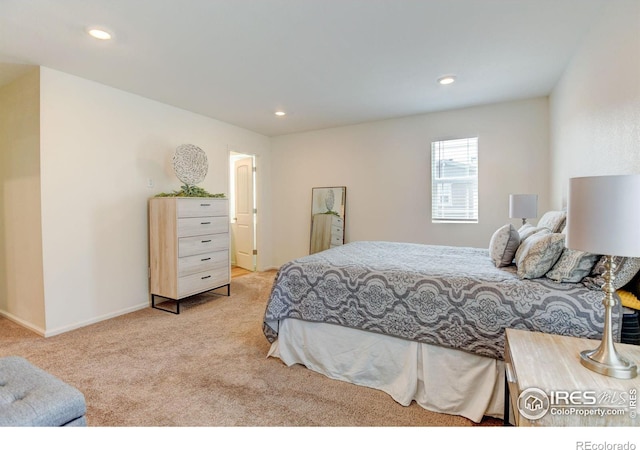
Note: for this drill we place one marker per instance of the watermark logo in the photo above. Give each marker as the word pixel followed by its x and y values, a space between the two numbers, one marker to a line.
pixel 533 403
pixel 590 445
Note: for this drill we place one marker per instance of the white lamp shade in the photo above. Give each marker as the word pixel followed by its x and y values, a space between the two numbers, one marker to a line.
pixel 523 206
pixel 603 215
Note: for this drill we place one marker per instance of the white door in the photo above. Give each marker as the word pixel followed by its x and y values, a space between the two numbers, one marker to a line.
pixel 245 242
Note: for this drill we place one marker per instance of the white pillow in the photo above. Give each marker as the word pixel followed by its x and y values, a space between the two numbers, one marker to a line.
pixel 503 245
pixel 527 230
pixel 537 255
pixel 553 220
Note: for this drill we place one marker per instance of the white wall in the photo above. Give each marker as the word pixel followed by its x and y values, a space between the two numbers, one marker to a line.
pixel 386 168
pixel 99 148
pixel 21 276
pixel 595 108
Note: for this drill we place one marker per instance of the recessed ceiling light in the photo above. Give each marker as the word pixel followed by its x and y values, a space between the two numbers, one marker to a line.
pixel 448 79
pixel 280 113
pixel 99 34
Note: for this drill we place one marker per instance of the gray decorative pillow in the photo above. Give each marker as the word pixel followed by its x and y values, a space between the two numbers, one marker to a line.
pixel 626 268
pixel 572 266
pixel 503 245
pixel 553 220
pixel 527 230
pixel 537 255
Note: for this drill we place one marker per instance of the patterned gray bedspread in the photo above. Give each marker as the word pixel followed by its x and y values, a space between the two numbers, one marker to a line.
pixel 449 296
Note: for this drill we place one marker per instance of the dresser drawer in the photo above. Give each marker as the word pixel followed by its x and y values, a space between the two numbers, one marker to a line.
pixel 202 281
pixel 196 226
pixel 201 207
pixel 200 263
pixel 336 240
pixel 197 245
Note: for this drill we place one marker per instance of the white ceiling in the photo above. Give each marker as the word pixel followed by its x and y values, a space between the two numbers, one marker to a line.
pixel 326 62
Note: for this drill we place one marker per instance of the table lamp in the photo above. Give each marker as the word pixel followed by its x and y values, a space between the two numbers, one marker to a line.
pixel 523 206
pixel 602 218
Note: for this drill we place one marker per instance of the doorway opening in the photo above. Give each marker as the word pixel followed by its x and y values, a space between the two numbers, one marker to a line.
pixel 242 213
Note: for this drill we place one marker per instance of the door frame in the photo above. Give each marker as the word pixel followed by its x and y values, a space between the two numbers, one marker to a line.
pixel 234 154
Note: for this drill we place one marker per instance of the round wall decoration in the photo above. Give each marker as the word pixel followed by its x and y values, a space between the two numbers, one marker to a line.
pixel 190 164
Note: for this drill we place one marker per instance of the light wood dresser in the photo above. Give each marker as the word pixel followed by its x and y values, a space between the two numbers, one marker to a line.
pixel 548 386
pixel 188 247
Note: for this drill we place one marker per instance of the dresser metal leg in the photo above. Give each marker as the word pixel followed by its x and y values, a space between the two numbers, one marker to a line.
pixel 177 302
pixel 153 304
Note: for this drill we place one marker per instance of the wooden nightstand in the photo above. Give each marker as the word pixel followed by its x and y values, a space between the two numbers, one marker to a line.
pixel 545 376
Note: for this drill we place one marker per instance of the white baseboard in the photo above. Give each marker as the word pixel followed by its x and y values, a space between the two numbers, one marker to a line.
pixel 22 323
pixel 75 326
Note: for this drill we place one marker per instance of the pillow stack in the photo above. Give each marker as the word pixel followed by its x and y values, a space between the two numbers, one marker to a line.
pixel 539 251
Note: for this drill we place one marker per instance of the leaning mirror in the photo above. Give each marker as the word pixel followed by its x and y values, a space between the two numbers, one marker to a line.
pixel 327 217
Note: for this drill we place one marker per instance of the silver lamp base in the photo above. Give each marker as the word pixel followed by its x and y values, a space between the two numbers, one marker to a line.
pixel 605 359
pixel 621 368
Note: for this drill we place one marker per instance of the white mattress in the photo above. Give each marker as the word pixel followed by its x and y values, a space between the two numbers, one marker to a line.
pixel 438 379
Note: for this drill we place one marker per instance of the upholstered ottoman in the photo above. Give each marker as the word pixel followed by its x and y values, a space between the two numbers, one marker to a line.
pixel 29 396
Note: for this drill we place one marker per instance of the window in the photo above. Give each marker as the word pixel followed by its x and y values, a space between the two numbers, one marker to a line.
pixel 454 180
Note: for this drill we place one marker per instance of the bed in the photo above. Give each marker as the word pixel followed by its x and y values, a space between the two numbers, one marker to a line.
pixel 423 323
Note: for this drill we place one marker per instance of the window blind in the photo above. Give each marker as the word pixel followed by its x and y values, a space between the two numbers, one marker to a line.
pixel 454 180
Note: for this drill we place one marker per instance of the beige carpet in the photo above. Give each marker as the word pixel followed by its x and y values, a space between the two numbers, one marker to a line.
pixel 204 367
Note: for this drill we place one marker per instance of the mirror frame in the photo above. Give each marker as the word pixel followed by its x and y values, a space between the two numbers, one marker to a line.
pixel 327 233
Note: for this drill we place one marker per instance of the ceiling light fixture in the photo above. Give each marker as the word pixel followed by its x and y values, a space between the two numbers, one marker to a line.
pixel 280 113
pixel 99 34
pixel 448 79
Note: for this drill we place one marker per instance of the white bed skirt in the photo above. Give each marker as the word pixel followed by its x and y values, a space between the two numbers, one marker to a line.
pixel 438 379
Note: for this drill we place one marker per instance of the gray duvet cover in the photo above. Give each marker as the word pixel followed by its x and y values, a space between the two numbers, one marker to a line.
pixel 449 296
